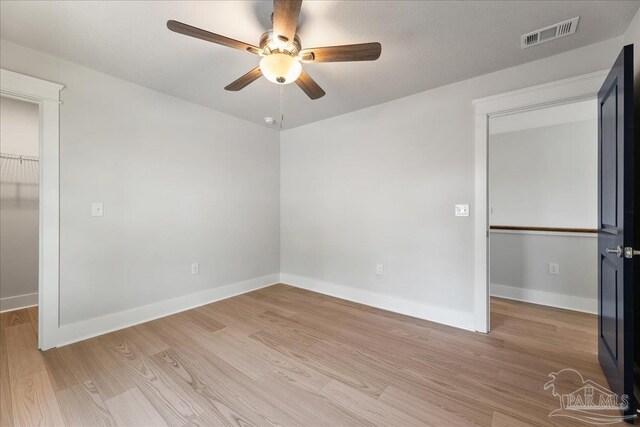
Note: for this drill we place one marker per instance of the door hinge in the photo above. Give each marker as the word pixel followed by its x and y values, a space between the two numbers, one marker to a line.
pixel 629 252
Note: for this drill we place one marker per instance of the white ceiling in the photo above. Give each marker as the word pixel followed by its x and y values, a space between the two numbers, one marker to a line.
pixel 424 45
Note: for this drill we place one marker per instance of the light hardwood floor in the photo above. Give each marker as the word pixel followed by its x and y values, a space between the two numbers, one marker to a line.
pixel 287 356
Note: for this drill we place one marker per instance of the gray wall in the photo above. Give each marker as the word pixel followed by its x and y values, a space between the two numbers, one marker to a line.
pixel 545 177
pixel 379 185
pixel 18 204
pixel 521 260
pixel 520 269
pixel 180 184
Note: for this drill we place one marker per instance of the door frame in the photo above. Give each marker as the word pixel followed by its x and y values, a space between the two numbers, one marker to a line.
pixel 559 92
pixel 47 96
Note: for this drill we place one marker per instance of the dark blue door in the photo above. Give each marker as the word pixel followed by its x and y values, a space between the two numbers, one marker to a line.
pixel 616 226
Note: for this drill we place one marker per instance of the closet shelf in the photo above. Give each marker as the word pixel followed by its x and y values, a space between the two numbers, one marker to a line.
pixel 20 157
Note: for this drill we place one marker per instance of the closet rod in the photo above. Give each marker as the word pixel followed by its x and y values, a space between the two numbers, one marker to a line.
pixel 20 157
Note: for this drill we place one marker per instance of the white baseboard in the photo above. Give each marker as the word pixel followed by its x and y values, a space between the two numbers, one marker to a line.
pixel 68 334
pixel 446 316
pixel 552 299
pixel 18 302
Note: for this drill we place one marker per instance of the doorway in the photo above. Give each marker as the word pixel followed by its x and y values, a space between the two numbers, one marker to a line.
pixel 19 218
pixel 572 90
pixel 45 96
pixel 543 245
pixel 19 203
pixel 543 181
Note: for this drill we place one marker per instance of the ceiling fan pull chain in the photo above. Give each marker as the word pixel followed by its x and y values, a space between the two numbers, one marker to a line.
pixel 281 105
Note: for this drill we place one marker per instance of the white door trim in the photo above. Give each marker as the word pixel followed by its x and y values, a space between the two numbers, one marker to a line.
pixel 558 92
pixel 47 95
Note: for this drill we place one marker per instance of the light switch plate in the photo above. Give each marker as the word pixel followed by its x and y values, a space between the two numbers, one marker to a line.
pixel 195 268
pixel 462 210
pixel 97 209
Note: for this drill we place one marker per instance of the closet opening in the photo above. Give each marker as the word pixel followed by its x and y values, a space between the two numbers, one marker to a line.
pixel 19 218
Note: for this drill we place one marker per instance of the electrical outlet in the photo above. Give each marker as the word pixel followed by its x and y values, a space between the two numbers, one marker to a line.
pixel 97 209
pixel 554 268
pixel 195 268
pixel 379 269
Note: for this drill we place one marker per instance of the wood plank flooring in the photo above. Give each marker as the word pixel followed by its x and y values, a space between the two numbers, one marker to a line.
pixel 287 356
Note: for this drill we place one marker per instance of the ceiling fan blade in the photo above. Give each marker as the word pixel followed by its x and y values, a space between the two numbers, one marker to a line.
pixel 245 80
pixel 309 86
pixel 345 53
pixel 285 18
pixel 199 33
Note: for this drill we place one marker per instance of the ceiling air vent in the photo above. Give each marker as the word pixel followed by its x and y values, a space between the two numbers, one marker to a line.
pixel 549 33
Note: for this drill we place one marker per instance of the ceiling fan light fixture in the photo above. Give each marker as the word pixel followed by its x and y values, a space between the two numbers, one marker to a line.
pixel 280 68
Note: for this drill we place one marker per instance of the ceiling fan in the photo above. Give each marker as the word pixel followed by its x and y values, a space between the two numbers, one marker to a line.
pixel 281 50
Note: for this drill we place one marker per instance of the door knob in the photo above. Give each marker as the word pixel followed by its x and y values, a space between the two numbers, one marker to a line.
pixel 617 251
pixel 630 252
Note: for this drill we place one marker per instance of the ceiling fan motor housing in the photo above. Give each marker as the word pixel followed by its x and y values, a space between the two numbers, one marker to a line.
pixel 270 43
